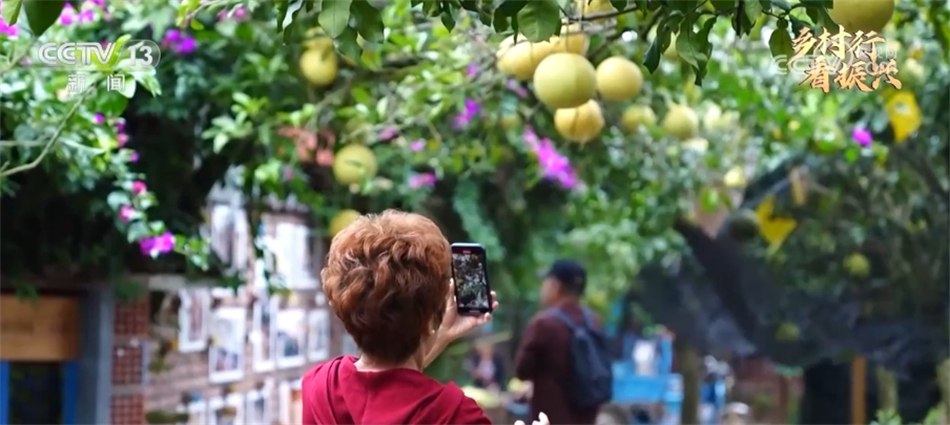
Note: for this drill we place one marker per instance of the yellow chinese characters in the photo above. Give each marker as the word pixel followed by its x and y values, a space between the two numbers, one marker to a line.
pixel 845 60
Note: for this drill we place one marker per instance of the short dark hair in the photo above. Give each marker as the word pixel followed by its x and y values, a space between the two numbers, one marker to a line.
pixel 570 274
pixel 387 279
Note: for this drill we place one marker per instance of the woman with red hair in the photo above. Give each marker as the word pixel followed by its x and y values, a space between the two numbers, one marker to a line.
pixel 388 279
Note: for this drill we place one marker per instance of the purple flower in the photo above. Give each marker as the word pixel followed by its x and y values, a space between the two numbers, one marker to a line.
pixel 157 245
pixel 516 87
pixel 185 46
pixel 67 18
pixel 472 108
pixel 87 15
pixel 9 30
pixel 554 166
pixel 120 126
pixel 138 187
pixel 99 119
pixel 417 146
pixel 100 3
pixel 125 213
pixel 862 136
pixel 422 180
pixel 239 13
pixel 123 139
pixel 134 157
pixel 471 71
pixel 171 37
pixel 388 133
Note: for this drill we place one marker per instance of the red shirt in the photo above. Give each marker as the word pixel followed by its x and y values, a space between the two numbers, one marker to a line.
pixel 335 393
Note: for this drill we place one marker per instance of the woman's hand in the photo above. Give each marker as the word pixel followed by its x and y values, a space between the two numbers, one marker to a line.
pixel 455 325
pixel 542 420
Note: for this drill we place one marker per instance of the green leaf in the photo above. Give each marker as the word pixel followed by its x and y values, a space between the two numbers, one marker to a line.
pixel 619 4
pixel 539 20
pixel 780 43
pixel 509 8
pixel 688 45
pixel 752 10
pixel 42 14
pixel 660 43
pixel 128 88
pixel 335 17
pixel 721 5
pixel 369 22
pixel 347 45
pixel 11 11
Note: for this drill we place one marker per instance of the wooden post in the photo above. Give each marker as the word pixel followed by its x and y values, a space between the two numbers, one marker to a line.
pixel 859 391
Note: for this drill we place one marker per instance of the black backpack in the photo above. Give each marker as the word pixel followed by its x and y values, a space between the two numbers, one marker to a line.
pixel 592 375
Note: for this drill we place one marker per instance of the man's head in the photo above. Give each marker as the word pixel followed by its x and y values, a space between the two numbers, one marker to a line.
pixel 565 279
pixel 387 279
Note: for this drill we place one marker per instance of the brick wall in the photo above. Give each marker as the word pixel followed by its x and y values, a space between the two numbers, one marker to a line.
pixel 131 328
pixel 187 374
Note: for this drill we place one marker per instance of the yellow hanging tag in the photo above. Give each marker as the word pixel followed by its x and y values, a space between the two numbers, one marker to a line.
pixel 773 229
pixel 904 115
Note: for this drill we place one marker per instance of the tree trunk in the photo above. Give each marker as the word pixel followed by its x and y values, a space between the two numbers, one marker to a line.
pixel 690 370
pixel 886 390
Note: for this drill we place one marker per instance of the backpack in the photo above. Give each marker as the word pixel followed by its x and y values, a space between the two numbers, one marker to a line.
pixel 592 374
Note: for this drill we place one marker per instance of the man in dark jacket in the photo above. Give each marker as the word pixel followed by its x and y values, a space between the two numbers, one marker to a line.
pixel 544 355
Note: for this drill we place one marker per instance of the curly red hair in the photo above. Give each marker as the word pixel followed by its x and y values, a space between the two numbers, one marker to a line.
pixel 387 279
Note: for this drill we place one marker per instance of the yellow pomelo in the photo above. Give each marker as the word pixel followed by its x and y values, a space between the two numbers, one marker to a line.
pixel 618 79
pixel 593 7
pixel 510 121
pixel 681 122
pixel 911 73
pixel 316 39
pixel 353 164
pixel 635 116
pixel 581 124
pixel 862 15
pixel 520 59
pixel 341 220
pixel 735 178
pixel 319 66
pixel 565 80
pixel 572 40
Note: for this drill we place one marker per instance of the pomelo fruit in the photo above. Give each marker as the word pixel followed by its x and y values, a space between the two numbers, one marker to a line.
pixel 319 66
pixel 510 121
pixel 316 39
pixel 593 7
pixel 581 124
pixel 911 73
pixel 341 220
pixel 681 122
pixel 862 15
pixel 353 164
pixel 735 178
pixel 857 265
pixel 572 40
pixel 635 116
pixel 565 80
pixel 520 59
pixel 618 79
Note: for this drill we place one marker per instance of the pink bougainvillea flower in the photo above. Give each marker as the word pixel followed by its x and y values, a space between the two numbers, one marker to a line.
pixel 422 180
pixel 862 136
pixel 125 213
pixel 185 46
pixel 388 133
pixel 471 71
pixel 100 3
pixel 417 146
pixel 122 139
pixel 99 119
pixel 87 15
pixel 554 165
pixel 134 157
pixel 8 30
pixel 171 38
pixel 67 18
pixel 239 13
pixel 138 187
pixel 470 111
pixel 120 126
pixel 160 244
pixel 517 88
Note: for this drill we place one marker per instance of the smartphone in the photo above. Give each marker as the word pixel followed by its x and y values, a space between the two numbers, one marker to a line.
pixel 470 272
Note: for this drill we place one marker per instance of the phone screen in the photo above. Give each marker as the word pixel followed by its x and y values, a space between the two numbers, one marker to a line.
pixel 472 293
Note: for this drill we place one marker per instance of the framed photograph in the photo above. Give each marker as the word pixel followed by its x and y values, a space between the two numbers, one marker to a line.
pixel 291 328
pixel 264 332
pixel 226 411
pixel 197 413
pixel 226 354
pixel 222 232
pixel 193 317
pixel 318 335
pixel 290 403
pixel 293 243
pixel 260 404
